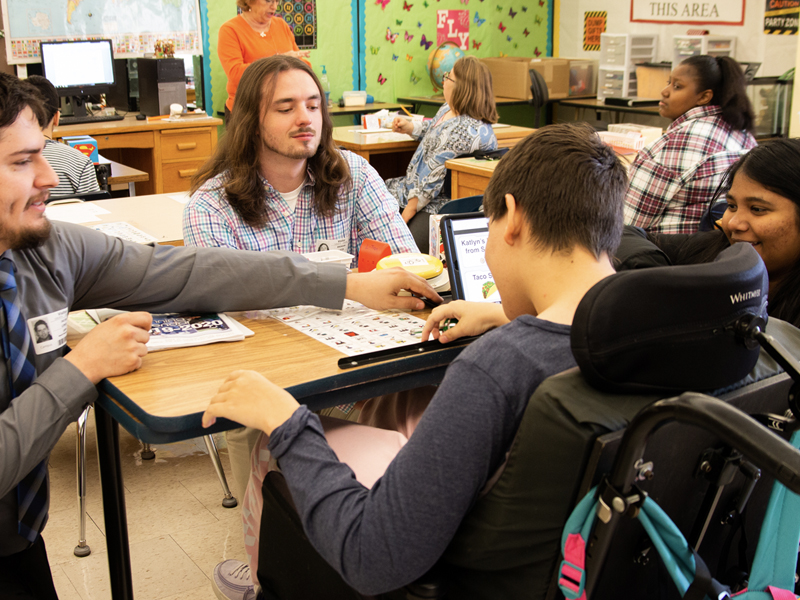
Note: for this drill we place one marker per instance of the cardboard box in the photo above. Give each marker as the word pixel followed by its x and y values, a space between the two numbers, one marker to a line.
pixel 582 76
pixel 650 80
pixel 84 143
pixel 510 77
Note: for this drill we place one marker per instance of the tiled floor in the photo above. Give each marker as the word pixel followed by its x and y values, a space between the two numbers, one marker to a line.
pixel 178 527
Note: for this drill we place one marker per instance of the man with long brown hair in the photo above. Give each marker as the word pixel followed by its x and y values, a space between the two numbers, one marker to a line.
pixel 277 180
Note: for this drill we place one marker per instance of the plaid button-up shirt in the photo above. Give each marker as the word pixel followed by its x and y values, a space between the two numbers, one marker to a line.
pixel 673 179
pixel 366 210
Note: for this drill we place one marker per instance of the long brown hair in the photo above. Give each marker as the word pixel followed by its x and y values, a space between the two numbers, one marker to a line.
pixel 473 94
pixel 237 153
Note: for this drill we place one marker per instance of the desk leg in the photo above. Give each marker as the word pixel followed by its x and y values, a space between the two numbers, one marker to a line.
pixel 131 189
pixel 119 553
pixel 454 192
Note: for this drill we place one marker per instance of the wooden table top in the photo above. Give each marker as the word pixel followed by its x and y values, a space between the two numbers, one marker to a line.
pixel 439 100
pixel 366 108
pixel 130 124
pixel 473 166
pixel 182 381
pixel 122 173
pixel 345 137
pixel 159 215
pixel 599 104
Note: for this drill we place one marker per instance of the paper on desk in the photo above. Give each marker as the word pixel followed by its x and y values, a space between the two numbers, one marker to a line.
pixel 125 231
pixel 183 197
pixel 79 212
pixel 353 330
pixel 500 125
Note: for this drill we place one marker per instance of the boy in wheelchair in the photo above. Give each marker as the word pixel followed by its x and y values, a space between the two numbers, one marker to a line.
pixel 555 208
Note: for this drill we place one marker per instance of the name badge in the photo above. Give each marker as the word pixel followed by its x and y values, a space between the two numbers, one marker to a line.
pixel 323 245
pixel 48 332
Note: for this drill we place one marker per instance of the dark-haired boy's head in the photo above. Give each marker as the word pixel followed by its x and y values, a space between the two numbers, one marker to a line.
pixel 52 104
pixel 569 186
pixel 16 96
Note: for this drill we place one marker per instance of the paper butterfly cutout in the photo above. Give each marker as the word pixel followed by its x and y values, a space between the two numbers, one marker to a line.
pixel 541 2
pixel 508 37
pixel 465 2
pixel 395 57
pixel 503 55
pixel 383 3
pixel 409 58
pixel 414 79
pixel 502 27
pixel 478 20
pixel 524 9
pixel 499 8
pixel 392 37
pixel 409 36
pixel 374 49
pixel 511 13
pixel 538 20
pixel 398 22
pixel 419 24
pixel 526 33
pixel 407 6
pixel 476 45
pixel 425 43
pixel 537 52
pixel 381 79
pixel 425 4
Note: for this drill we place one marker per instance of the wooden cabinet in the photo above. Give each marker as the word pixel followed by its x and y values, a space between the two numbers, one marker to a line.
pixel 182 153
pixel 170 152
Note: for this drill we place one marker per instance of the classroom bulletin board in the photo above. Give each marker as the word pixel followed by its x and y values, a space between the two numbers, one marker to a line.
pixel 399 36
pixel 383 46
pixel 333 25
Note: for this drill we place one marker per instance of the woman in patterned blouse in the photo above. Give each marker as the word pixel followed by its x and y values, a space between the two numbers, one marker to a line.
pixel 462 126
pixel 672 180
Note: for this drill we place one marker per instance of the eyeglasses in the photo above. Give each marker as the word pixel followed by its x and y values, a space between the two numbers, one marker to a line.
pixel 447 76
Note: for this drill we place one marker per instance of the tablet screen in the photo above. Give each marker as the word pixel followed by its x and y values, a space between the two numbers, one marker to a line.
pixel 466 238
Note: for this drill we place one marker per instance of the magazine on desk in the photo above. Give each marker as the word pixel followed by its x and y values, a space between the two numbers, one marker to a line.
pixel 181 331
pixel 171 330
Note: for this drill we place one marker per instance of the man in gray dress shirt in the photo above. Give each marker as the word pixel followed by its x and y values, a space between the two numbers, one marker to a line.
pixel 62 267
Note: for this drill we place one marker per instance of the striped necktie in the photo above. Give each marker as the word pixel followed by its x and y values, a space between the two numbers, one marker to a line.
pixel 18 351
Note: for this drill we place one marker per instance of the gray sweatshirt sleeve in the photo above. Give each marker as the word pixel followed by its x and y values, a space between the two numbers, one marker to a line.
pixel 111 273
pixel 34 421
pixel 385 537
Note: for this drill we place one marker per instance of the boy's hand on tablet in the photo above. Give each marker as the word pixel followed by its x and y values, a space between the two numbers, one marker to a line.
pixel 473 318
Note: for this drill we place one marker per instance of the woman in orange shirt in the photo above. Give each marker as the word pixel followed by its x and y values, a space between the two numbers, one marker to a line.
pixel 253 34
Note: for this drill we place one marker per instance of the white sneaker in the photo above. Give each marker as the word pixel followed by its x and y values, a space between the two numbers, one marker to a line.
pixel 232 581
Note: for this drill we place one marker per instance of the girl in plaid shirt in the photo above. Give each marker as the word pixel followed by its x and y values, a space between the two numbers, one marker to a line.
pixel 672 180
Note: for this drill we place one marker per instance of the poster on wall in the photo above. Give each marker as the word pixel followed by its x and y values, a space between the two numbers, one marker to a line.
pixel 301 17
pixel 453 26
pixel 594 23
pixel 781 17
pixel 690 12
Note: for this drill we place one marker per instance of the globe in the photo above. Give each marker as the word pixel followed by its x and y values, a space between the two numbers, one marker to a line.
pixel 441 61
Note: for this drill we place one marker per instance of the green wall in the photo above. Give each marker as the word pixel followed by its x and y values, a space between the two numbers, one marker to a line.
pixel 335 41
pixel 334 46
pixel 406 77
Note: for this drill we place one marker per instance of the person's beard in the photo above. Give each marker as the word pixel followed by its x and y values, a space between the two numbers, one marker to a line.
pixel 305 152
pixel 26 239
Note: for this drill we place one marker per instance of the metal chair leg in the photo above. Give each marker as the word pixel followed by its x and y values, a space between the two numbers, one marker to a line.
pixel 228 501
pixel 147 452
pixel 82 549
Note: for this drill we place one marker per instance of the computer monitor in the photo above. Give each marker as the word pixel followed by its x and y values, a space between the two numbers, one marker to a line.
pixel 78 69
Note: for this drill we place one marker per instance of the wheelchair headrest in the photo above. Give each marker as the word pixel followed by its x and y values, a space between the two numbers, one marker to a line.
pixel 668 329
